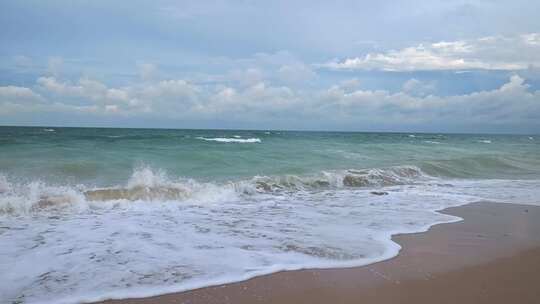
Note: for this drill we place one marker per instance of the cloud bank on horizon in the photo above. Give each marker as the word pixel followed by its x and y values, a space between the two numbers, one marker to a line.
pixel 436 66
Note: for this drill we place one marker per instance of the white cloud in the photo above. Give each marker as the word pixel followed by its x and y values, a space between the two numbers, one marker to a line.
pixel 414 86
pixel 532 39
pixel 487 53
pixel 512 103
pixel 280 67
pixel 85 88
pixel 117 94
pixel 170 89
pixel 246 77
pixel 167 98
pixel 147 71
pixel 14 93
pixel 90 96
pixel 52 85
pixel 17 99
pixel 55 65
pixel 350 84
pixel 296 73
pixel 344 104
pixel 253 102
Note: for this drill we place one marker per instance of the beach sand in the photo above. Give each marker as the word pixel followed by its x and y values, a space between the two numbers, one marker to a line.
pixel 493 256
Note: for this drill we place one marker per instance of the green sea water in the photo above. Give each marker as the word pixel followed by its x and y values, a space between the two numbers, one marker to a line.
pixel 106 157
pixel 90 214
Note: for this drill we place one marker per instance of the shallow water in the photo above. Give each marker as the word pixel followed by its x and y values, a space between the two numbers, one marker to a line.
pixel 169 210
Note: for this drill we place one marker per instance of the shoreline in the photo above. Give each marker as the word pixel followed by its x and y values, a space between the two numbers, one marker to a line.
pixel 490 241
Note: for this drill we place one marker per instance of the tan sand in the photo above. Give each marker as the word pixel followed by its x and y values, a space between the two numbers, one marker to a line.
pixel 493 256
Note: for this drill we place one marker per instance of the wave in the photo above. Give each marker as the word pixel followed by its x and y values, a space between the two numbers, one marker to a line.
pixel 149 185
pixel 485 141
pixel 483 166
pixel 352 178
pixel 37 196
pixel 235 139
pixel 158 234
pixel 171 248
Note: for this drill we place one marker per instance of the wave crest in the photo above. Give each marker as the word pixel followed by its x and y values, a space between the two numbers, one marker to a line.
pixel 148 185
pixel 338 179
pixel 36 196
pixel 232 140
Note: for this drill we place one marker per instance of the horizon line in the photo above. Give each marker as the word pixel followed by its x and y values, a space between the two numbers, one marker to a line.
pixel 269 129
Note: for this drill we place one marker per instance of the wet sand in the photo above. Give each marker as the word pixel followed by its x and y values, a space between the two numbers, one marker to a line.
pixel 492 256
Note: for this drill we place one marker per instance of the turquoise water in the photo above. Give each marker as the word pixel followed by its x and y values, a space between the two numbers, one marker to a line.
pixel 103 157
pixel 162 211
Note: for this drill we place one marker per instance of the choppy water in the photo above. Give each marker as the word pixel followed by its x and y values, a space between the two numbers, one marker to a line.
pixel 89 214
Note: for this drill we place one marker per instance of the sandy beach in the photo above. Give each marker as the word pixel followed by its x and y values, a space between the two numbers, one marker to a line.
pixel 244 152
pixel 492 256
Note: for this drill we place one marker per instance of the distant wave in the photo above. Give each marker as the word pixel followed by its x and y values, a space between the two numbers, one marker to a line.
pixel 485 141
pixel 232 140
pixel 48 130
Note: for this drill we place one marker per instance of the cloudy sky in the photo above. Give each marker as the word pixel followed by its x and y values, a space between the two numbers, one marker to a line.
pixel 440 66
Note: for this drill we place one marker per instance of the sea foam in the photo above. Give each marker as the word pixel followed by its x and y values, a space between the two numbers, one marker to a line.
pixel 232 140
pixel 151 243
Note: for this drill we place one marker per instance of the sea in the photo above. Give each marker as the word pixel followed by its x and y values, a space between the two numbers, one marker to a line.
pixel 88 214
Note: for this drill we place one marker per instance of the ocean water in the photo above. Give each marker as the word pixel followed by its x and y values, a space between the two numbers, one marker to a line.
pixel 89 214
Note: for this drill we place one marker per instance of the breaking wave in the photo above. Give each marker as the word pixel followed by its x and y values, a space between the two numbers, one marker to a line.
pixel 155 186
pixel 148 185
pixel 158 234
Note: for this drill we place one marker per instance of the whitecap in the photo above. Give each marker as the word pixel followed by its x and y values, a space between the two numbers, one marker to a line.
pixel 231 140
pixel 485 141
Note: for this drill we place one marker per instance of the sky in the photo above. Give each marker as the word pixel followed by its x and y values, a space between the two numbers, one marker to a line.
pixel 405 66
